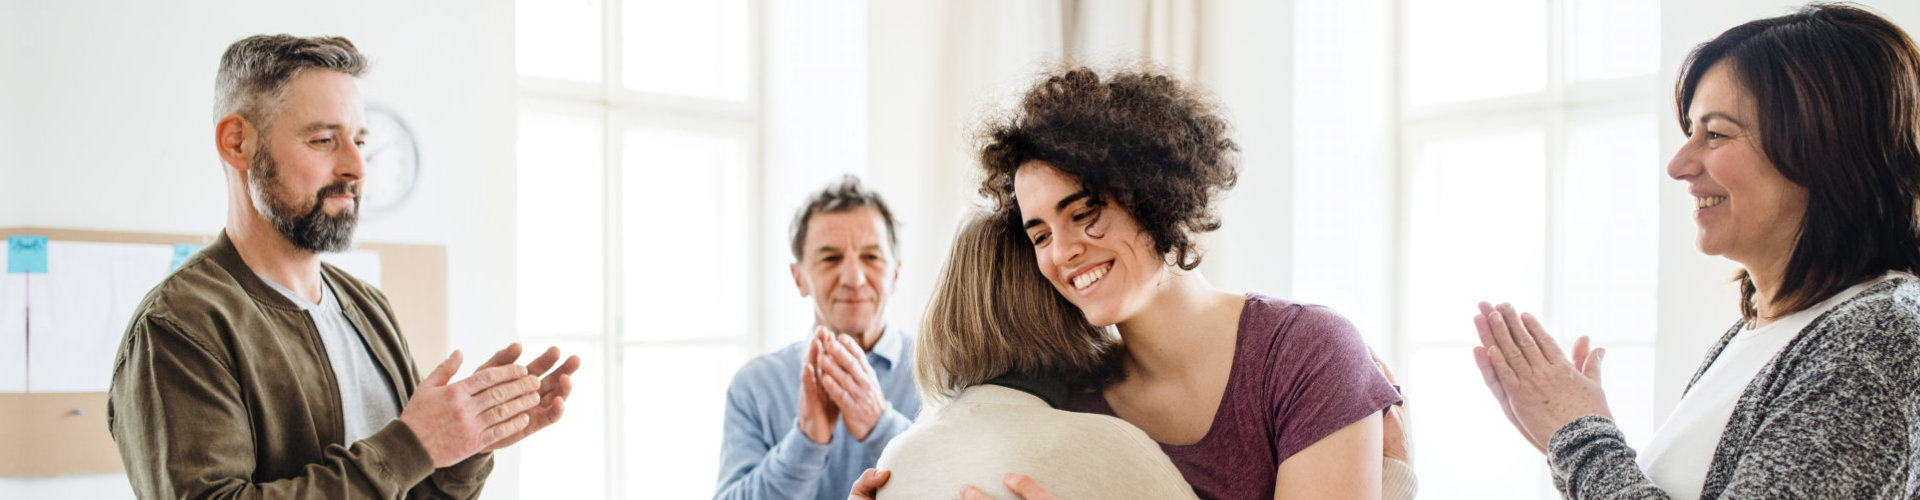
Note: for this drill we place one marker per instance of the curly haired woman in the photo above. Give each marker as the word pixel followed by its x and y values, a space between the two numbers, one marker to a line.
pixel 1113 179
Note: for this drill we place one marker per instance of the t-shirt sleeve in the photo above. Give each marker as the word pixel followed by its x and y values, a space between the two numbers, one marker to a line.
pixel 1320 380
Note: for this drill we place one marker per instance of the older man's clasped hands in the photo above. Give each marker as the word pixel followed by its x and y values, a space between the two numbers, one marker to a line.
pixel 1539 388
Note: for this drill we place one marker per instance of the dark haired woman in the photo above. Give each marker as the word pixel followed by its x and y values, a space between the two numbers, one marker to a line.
pixel 1110 181
pixel 1802 155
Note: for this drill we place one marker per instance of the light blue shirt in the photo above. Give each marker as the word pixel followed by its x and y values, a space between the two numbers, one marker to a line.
pixel 764 454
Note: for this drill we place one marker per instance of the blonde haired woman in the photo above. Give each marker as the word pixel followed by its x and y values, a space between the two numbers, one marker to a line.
pixel 997 352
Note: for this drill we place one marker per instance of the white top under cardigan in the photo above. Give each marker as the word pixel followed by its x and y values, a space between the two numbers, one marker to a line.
pixel 1677 458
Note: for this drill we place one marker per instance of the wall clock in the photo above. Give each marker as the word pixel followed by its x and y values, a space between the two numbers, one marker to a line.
pixel 392 158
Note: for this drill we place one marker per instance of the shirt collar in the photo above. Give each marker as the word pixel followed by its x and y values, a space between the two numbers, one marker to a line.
pixel 891 346
pixel 327 303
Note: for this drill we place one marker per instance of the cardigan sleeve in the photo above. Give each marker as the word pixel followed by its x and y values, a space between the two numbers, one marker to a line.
pixel 1831 427
pixel 1589 458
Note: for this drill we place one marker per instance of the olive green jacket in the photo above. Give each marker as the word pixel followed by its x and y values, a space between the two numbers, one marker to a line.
pixel 222 389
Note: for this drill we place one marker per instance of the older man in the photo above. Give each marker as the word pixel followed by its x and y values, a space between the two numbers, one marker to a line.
pixel 804 421
pixel 256 371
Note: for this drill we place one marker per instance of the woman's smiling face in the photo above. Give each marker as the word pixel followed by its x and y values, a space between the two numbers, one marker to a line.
pixel 1746 210
pixel 1094 254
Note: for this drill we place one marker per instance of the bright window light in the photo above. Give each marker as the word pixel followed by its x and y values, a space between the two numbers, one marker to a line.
pixel 1462 50
pixel 558 39
pixel 676 399
pixel 1531 188
pixel 654 106
pixel 1613 39
pixel 1479 222
pixel 1613 171
pixel 569 460
pixel 559 244
pixel 692 49
pixel 684 212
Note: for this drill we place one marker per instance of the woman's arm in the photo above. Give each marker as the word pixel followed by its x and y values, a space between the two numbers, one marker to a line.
pixel 1830 427
pixel 1830 432
pixel 1589 458
pixel 1345 464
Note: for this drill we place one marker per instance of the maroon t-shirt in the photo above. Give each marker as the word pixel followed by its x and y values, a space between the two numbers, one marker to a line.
pixel 1300 372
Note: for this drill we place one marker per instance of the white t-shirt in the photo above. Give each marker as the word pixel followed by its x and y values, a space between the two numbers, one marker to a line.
pixel 367 402
pixel 1681 451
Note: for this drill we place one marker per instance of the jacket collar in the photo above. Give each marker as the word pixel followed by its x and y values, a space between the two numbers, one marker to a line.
pixel 227 256
pixel 223 252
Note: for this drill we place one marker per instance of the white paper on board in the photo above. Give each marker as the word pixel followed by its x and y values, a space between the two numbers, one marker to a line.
pixel 13 332
pixel 78 311
pixel 362 264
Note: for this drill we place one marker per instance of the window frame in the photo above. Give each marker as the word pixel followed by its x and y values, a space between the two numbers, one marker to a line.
pixel 619 110
pixel 1551 110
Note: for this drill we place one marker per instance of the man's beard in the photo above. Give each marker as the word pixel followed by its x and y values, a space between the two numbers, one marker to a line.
pixel 314 231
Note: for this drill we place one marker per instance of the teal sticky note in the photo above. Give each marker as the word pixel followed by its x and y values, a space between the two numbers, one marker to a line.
pixel 26 254
pixel 181 251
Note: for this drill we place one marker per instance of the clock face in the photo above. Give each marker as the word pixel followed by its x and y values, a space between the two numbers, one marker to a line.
pixel 393 163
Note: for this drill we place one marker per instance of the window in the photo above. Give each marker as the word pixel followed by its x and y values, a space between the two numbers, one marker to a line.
pixel 1529 164
pixel 638 136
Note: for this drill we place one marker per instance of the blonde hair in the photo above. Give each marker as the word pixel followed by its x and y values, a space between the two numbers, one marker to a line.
pixel 992 313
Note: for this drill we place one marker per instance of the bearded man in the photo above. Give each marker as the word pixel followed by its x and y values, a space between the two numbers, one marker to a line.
pixel 256 371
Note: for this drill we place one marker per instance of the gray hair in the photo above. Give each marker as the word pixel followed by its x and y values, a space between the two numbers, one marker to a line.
pixel 840 196
pixel 254 72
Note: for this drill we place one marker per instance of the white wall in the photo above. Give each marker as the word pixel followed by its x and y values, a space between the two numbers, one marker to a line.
pixel 1246 59
pixel 113 132
pixel 11 130
pixel 912 138
pixel 937 70
pixel 1697 301
pixel 816 128
pixel 1344 193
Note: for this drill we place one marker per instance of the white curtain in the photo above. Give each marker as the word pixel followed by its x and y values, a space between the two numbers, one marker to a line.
pixel 1002 44
pixel 1165 32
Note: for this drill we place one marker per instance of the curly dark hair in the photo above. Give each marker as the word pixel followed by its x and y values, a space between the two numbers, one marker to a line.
pixel 1153 146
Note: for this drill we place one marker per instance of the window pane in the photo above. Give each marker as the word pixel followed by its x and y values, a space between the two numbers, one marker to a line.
pixel 569 460
pixel 1611 229
pixel 1473 49
pixel 1464 447
pixel 559 245
pixel 558 39
pixel 685 220
pixel 694 49
pixel 675 402
pixel 1479 230
pixel 1612 38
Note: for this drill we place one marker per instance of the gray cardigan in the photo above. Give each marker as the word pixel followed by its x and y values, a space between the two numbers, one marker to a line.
pixel 1835 414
